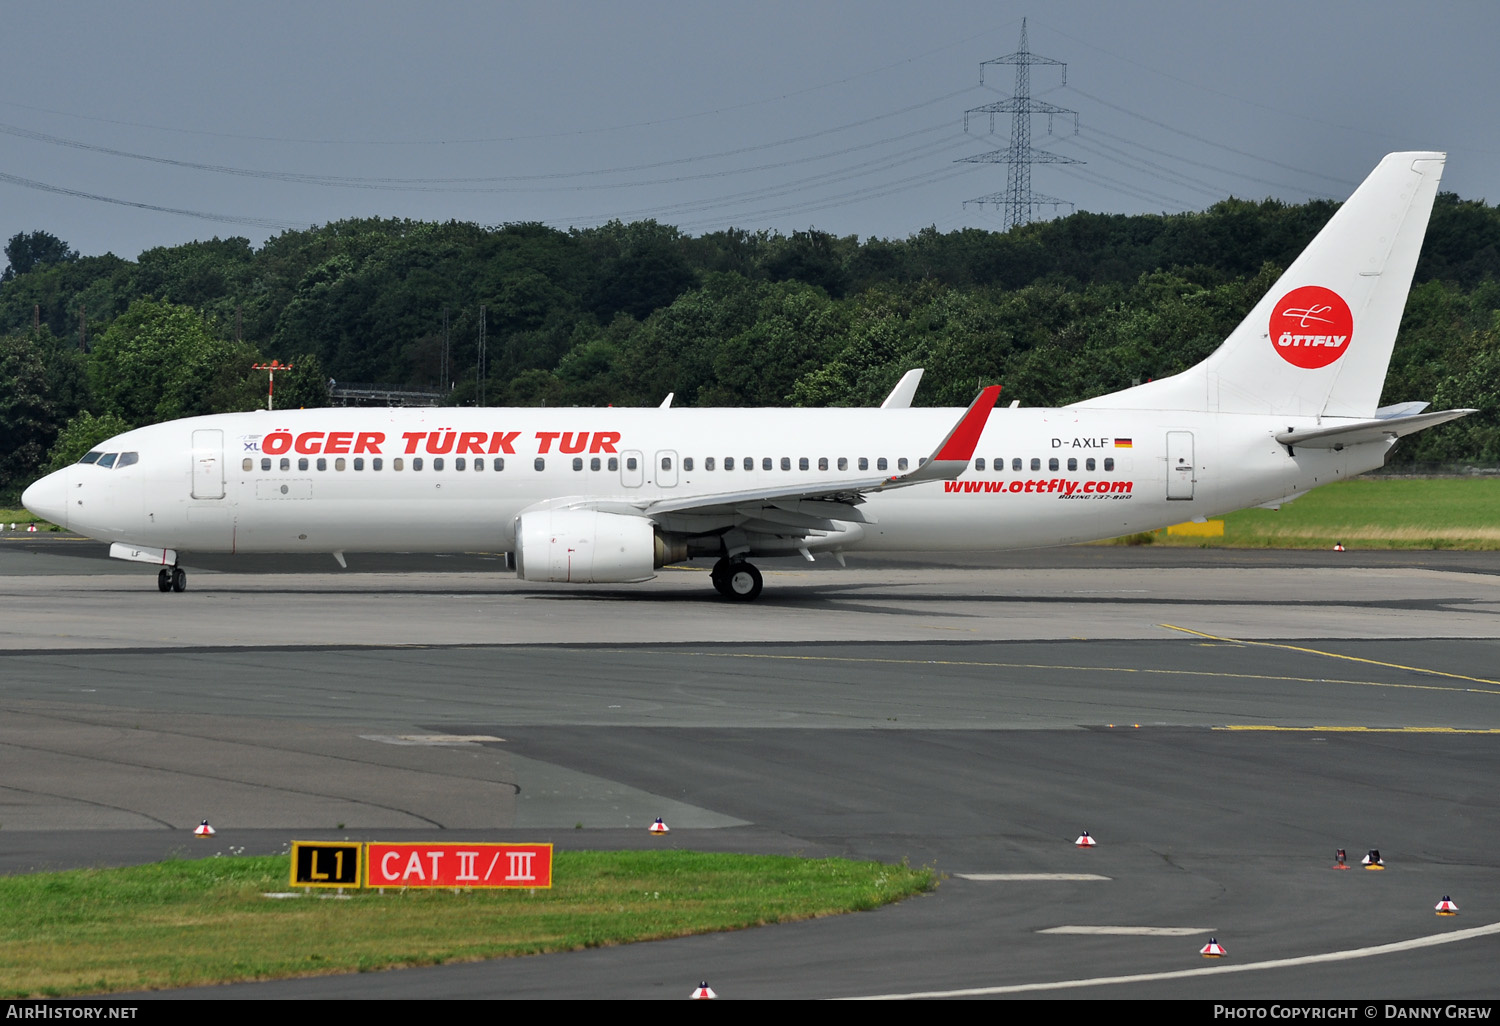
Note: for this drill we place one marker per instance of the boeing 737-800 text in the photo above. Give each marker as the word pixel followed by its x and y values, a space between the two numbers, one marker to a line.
pixel 1287 403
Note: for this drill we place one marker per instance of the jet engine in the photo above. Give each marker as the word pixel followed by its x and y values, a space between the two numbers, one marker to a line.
pixel 587 546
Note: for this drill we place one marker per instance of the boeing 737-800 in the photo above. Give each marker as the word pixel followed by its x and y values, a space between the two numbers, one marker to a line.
pixel 1287 403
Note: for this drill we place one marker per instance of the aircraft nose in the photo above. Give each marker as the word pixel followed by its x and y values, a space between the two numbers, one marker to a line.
pixel 48 498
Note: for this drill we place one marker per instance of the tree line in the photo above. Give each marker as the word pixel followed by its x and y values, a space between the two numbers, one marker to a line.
pixel 624 313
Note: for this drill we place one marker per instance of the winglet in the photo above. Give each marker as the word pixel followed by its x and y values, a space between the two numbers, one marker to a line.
pixel 964 438
pixel 952 456
pixel 901 396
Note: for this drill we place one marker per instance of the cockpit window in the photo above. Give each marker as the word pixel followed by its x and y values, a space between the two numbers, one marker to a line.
pixel 91 457
pixel 127 459
pixel 108 459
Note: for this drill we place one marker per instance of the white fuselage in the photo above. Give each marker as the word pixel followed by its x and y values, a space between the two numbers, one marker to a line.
pixel 320 481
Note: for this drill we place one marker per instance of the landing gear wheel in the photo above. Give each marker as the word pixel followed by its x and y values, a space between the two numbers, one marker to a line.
pixel 742 583
pixel 179 579
pixel 164 580
pixel 719 575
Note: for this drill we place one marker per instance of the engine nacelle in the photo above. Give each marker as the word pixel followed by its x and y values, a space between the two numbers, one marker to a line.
pixel 585 546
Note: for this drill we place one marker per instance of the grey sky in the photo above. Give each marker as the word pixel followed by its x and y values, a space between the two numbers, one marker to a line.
pixel 845 116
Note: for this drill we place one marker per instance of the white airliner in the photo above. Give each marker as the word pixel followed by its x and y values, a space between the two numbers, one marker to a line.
pixel 1288 402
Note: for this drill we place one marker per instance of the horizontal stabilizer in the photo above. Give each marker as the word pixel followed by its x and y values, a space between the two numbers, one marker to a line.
pixel 1360 431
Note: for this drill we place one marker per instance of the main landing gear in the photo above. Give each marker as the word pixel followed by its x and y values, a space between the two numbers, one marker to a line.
pixel 171 579
pixel 736 579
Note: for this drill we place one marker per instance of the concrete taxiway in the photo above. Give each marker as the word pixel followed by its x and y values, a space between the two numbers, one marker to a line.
pixel 1220 726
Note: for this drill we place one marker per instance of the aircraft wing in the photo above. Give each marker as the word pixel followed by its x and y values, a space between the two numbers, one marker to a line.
pixel 811 505
pixel 1360 431
pixel 949 460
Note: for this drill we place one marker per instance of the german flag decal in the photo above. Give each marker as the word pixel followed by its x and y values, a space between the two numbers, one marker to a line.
pixel 1122 443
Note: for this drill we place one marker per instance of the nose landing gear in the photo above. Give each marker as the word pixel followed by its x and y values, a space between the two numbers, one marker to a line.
pixel 171 579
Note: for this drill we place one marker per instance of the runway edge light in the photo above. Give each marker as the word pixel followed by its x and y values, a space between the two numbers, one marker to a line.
pixel 1085 841
pixel 703 992
pixel 1446 907
pixel 204 830
pixel 1340 859
pixel 659 827
pixel 1213 949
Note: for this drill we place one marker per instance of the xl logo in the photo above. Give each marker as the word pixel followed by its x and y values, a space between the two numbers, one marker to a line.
pixel 1311 327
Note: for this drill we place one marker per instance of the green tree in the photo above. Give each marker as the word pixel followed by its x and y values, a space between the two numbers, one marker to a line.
pixel 28 415
pixel 158 361
pixel 27 251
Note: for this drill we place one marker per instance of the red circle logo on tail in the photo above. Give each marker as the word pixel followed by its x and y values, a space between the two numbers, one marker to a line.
pixel 1311 327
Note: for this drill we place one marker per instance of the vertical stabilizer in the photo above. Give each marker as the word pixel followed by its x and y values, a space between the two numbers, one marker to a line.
pixel 1319 342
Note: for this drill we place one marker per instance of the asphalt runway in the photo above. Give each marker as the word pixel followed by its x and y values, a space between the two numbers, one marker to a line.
pixel 1220 722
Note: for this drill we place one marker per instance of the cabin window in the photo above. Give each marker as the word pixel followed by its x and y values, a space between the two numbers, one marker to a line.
pixel 843 463
pixel 437 463
pixel 1072 463
pixel 249 464
pixel 265 463
pixel 1052 463
pixel 359 463
pixel 614 463
pixel 1109 463
pixel 478 464
pixel 901 463
pixel 630 463
pixel 728 462
pixel 880 464
pixel 765 463
pixel 322 463
pixel 708 463
pixel 979 463
pixel 822 462
pixel 398 463
pixel 338 464
pixel 595 463
pixel 1015 464
pixel 286 464
pixel 1088 464
pixel 302 463
pixel 577 462
pixel 377 463
pixel 541 464
pixel 499 463
pixel 460 464
pixel 864 463
pixel 416 463
pixel 93 457
pixel 802 464
pixel 666 463
pixel 1036 464
pixel 687 463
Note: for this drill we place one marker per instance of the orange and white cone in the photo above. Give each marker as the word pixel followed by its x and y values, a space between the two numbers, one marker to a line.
pixel 1338 546
pixel 1372 860
pixel 1085 841
pixel 204 830
pixel 659 827
pixel 1446 907
pixel 1213 949
pixel 703 992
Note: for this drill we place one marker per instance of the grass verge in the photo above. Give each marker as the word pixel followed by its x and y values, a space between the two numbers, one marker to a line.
pixel 1367 513
pixel 180 924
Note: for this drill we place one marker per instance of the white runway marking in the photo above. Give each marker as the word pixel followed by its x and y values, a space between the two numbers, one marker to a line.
pixel 1130 931
pixel 989 877
pixel 1213 970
